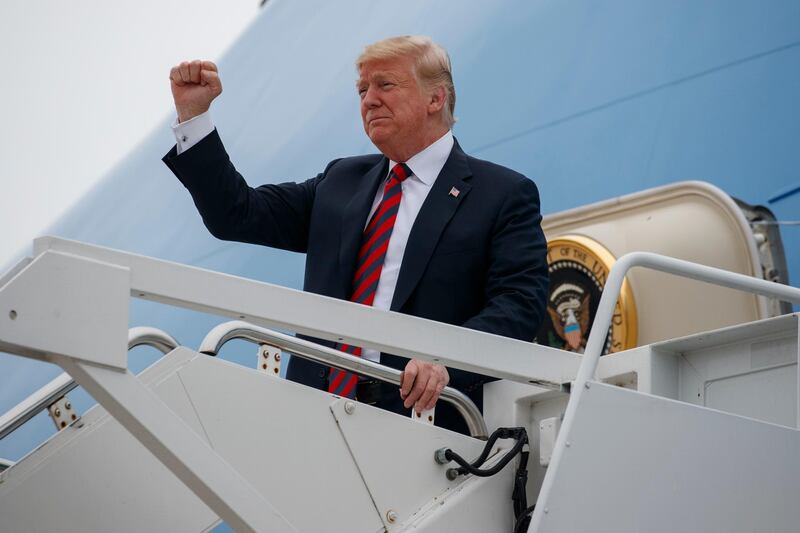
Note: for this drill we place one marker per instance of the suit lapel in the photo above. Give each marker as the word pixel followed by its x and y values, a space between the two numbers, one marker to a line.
pixel 437 210
pixel 354 218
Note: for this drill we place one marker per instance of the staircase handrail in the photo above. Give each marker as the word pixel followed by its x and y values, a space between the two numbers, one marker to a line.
pixel 62 384
pixel 237 329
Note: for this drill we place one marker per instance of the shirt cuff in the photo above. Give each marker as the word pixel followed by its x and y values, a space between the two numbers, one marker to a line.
pixel 192 131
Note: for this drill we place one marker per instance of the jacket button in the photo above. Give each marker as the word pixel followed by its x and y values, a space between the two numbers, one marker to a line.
pixel 322 373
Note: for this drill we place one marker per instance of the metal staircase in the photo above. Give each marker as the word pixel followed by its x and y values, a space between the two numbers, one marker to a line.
pixel 621 442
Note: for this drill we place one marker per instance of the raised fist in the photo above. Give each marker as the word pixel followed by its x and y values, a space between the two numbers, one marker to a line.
pixel 195 84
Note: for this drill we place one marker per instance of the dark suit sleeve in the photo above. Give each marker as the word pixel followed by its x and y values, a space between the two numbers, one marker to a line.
pixel 517 278
pixel 271 215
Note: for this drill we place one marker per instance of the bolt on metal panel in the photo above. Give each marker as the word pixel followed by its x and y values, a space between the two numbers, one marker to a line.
pixel 62 413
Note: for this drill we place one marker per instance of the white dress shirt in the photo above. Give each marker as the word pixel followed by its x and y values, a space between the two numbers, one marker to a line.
pixel 425 166
pixel 192 131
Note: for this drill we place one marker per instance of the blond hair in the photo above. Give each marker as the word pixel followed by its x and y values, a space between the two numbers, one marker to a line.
pixel 431 65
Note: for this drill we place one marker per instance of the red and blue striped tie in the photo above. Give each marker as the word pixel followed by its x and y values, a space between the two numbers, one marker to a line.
pixel 374 243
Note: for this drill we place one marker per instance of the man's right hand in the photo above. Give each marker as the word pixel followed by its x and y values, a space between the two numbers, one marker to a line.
pixel 195 84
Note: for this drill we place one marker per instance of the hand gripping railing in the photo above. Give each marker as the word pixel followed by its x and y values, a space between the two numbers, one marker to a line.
pixel 62 384
pixel 602 321
pixel 236 329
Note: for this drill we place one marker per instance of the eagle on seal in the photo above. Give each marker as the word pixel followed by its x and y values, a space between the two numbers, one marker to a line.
pixel 572 328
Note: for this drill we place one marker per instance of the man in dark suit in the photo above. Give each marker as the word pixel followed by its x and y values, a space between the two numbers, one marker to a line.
pixel 421 228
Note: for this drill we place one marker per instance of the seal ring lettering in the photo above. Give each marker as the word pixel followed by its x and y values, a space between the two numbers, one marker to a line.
pixel 578 268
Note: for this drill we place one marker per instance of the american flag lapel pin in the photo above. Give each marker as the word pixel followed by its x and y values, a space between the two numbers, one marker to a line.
pixel 454 192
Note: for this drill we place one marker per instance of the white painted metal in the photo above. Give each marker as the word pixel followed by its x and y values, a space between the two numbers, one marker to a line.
pixel 745 359
pixel 479 505
pixel 283 438
pixel 328 318
pixel 167 437
pixel 212 456
pixel 223 333
pixel 67 305
pixel 396 464
pixel 548 432
pixel 14 270
pixel 100 478
pixel 638 462
pixel 62 414
pixel 750 370
pixel 202 470
pixel 279 436
pixel 33 404
pixel 507 404
pixel 605 309
pixel 63 383
pixel 269 359
pixel 425 417
pixel 603 316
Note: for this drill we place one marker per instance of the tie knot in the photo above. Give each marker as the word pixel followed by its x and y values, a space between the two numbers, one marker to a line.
pixel 400 172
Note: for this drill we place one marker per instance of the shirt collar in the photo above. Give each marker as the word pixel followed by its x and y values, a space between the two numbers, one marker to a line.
pixel 427 164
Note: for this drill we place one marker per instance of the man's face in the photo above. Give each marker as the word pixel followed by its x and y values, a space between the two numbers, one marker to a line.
pixel 394 108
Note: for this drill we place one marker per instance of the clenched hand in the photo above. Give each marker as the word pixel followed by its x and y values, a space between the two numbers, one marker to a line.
pixel 195 84
pixel 421 383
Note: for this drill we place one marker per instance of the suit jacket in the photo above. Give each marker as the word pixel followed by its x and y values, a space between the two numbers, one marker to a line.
pixel 476 259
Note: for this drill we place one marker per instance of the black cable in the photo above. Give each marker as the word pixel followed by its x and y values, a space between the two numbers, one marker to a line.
pixel 487 448
pixel 467 468
pixel 519 495
pixel 524 520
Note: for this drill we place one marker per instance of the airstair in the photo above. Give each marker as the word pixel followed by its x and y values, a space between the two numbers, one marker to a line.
pixel 698 433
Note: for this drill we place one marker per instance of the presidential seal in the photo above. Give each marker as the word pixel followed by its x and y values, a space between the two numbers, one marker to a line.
pixel 579 267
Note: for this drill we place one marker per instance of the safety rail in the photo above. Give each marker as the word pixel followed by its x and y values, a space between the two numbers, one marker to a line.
pixel 670 265
pixel 318 316
pixel 63 383
pixel 90 270
pixel 237 329
pixel 89 286
pixel 602 321
pixel 154 337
